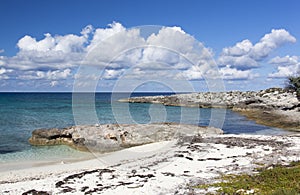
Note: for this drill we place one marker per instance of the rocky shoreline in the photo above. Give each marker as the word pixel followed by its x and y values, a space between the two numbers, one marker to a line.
pixel 273 107
pixel 112 137
pixel 194 156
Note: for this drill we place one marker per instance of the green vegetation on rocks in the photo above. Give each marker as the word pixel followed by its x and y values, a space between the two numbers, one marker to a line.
pixel 275 180
pixel 294 84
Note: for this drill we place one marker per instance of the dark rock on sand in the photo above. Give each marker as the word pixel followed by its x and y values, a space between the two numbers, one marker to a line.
pixel 35 192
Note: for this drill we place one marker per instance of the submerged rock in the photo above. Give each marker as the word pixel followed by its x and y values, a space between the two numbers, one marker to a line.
pixel 111 137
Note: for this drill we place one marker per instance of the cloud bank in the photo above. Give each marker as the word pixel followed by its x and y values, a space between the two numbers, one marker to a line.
pixel 245 55
pixel 169 52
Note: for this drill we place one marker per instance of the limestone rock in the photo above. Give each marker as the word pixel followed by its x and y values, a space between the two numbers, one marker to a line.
pixel 282 105
pixel 273 98
pixel 111 137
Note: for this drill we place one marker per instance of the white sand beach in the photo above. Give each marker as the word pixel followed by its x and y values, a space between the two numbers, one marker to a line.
pixel 152 169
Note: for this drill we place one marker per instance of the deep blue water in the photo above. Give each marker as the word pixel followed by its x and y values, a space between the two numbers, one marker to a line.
pixel 21 113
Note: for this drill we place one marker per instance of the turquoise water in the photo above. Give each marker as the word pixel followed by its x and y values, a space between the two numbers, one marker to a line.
pixel 21 113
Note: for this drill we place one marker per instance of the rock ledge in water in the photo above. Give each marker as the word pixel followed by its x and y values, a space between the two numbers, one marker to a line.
pixel 111 137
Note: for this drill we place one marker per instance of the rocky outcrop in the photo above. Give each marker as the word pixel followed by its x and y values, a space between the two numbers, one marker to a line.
pixel 274 98
pixel 111 137
pixel 48 137
pixel 274 107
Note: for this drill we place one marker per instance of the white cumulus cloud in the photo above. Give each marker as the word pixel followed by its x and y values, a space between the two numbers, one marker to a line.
pixel 169 48
pixel 5 73
pixel 115 48
pixel 271 41
pixel 28 43
pixel 111 45
pixel 240 49
pixel 101 34
pixel 112 74
pixel 3 70
pixel 117 52
pixel 284 61
pixel 286 66
pixel 245 55
pixel 66 44
pixel 49 75
pixel 243 62
pixel 51 52
pixel 229 73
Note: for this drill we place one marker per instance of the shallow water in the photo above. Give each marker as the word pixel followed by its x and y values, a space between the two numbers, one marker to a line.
pixel 21 113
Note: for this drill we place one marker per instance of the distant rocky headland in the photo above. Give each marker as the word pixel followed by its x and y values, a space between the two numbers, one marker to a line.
pixel 274 107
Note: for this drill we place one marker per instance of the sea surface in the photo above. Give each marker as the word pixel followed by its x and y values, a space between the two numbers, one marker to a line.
pixel 21 113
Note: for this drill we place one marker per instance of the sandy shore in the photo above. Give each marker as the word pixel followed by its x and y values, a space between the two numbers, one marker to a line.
pixel 160 168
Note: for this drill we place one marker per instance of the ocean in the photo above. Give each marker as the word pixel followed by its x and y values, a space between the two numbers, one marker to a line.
pixel 21 113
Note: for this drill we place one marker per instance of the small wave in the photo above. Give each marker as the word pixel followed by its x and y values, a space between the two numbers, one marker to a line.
pixel 6 151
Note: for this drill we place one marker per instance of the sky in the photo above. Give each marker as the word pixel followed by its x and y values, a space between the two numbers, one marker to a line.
pixel 108 45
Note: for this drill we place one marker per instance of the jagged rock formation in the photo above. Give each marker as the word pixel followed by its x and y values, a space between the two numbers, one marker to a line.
pixel 111 137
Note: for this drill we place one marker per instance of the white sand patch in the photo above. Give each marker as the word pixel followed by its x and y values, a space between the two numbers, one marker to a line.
pixel 153 169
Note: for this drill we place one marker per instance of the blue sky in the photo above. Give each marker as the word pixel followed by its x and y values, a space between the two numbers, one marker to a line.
pixel 216 24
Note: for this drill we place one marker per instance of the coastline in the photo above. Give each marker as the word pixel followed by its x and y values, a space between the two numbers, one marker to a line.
pixel 28 164
pixel 163 165
pixel 276 118
pixel 190 161
pixel 274 107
